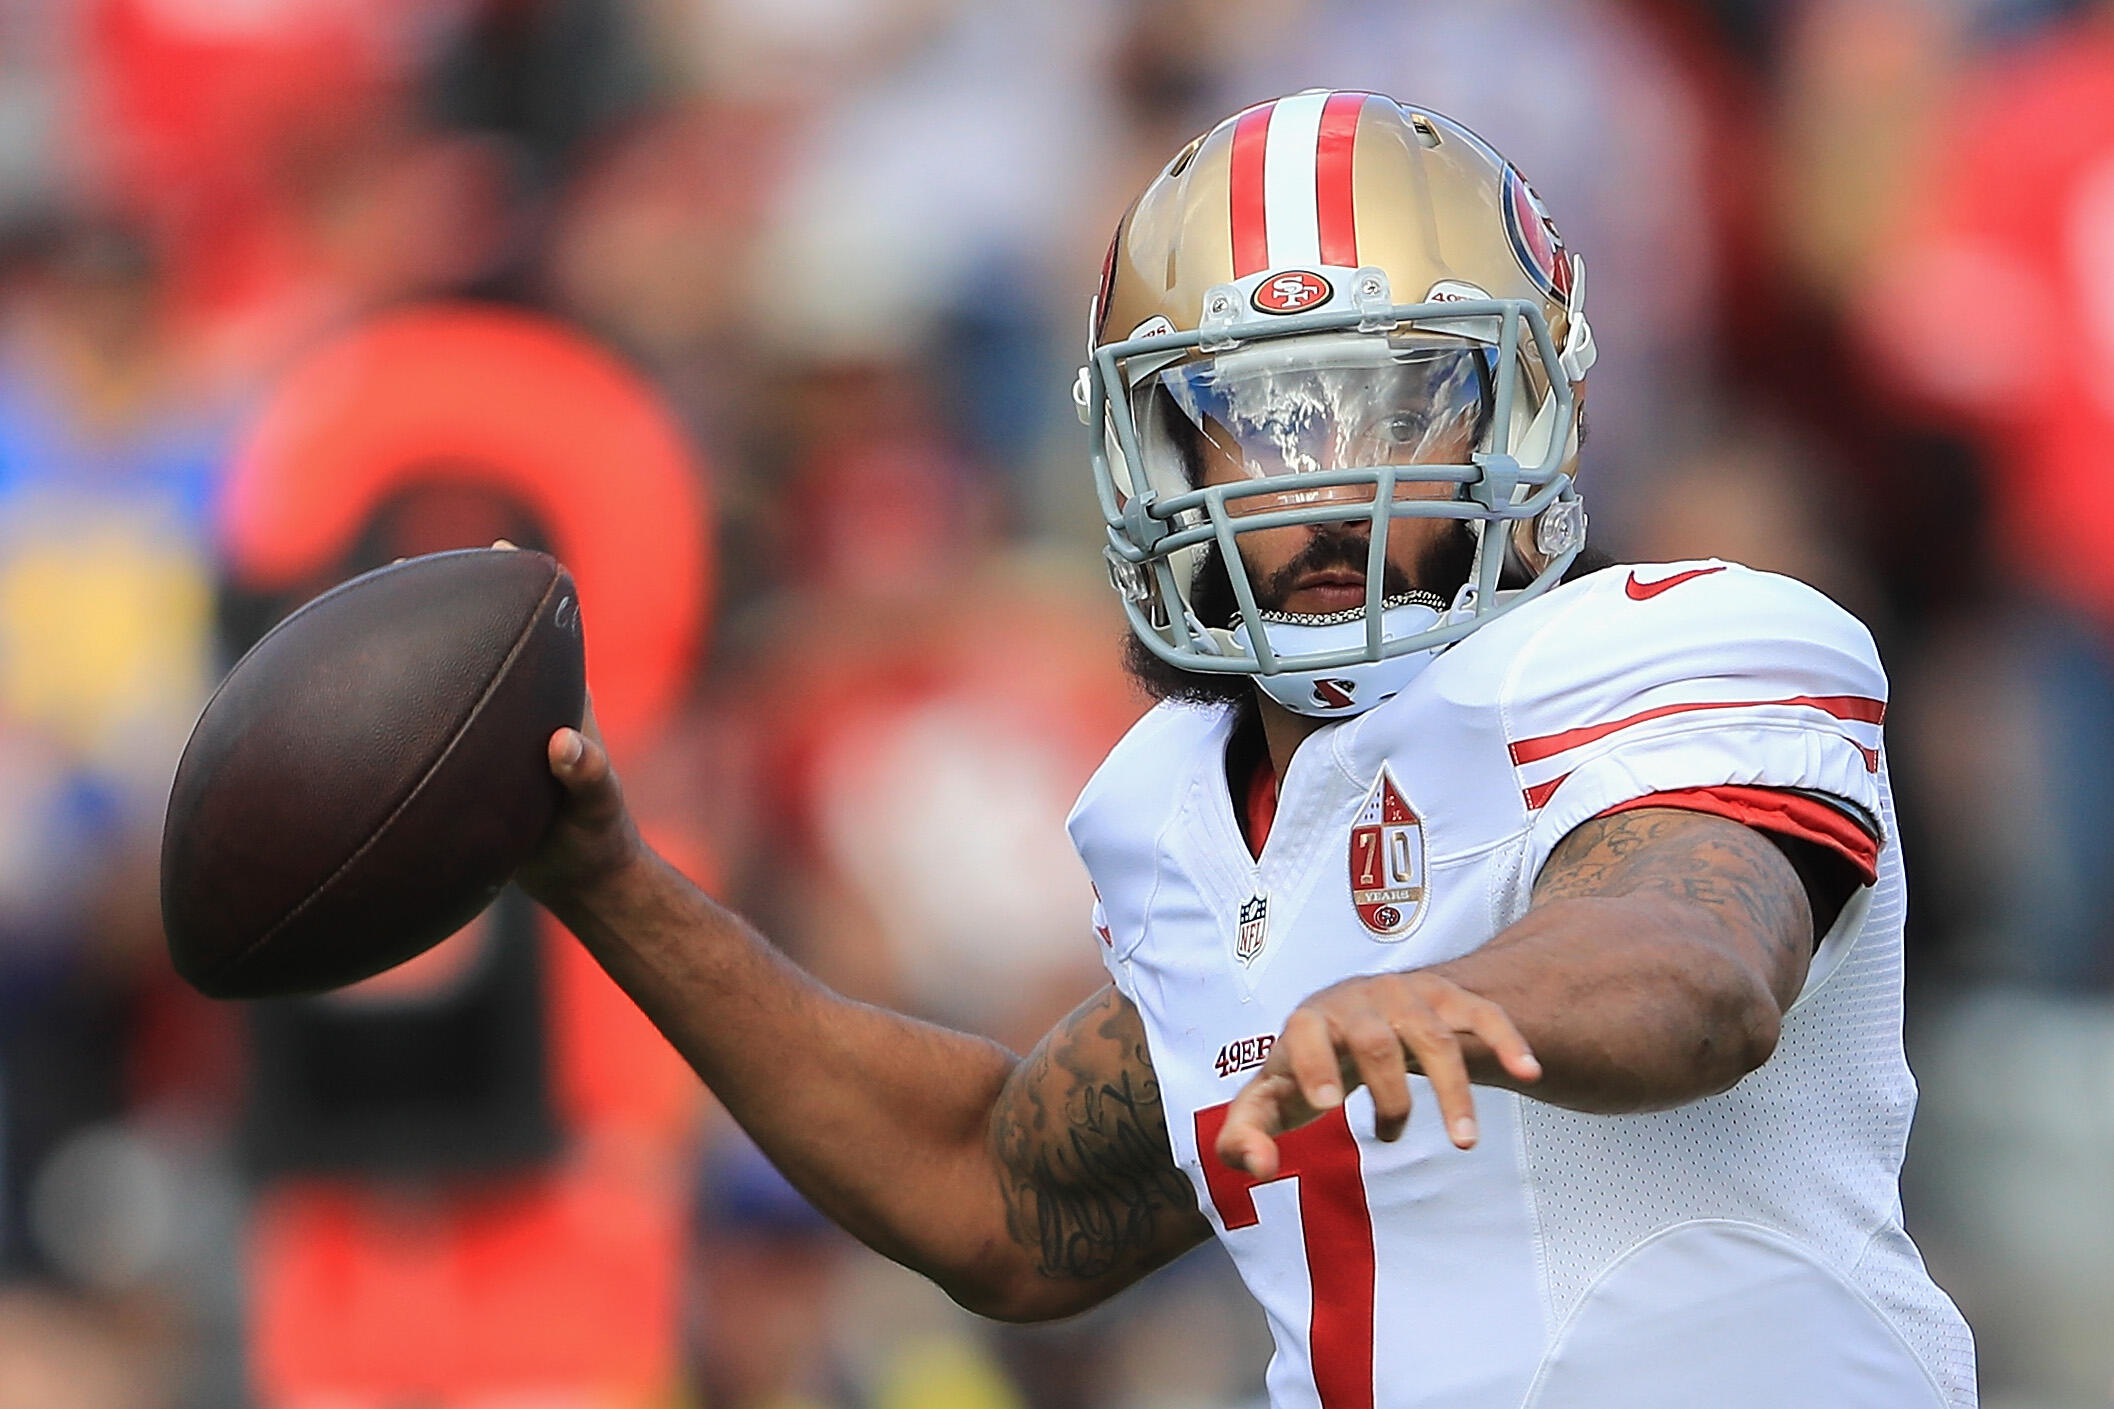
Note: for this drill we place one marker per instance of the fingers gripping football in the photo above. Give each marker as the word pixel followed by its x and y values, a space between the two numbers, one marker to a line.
pixel 593 835
pixel 1371 1032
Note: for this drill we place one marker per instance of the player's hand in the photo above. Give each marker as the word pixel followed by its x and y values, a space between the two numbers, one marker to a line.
pixel 1371 1032
pixel 593 836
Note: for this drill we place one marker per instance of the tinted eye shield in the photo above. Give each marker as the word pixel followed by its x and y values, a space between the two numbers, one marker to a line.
pixel 1508 314
pixel 1146 528
pixel 1286 409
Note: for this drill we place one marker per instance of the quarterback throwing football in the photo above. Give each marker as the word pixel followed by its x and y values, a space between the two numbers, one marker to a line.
pixel 1505 959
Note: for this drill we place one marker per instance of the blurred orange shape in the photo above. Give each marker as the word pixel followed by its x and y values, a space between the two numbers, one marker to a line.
pixel 462 394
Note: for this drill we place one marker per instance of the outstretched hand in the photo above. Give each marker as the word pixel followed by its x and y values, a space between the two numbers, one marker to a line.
pixel 1371 1032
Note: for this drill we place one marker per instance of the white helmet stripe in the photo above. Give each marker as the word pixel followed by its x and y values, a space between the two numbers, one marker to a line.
pixel 1292 214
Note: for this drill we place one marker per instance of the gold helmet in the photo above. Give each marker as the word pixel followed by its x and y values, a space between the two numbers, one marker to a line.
pixel 1365 310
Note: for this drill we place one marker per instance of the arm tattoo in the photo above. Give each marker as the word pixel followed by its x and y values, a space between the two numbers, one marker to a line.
pixel 1090 1183
pixel 1722 865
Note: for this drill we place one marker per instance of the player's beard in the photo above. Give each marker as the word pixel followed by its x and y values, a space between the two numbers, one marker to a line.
pixel 1443 568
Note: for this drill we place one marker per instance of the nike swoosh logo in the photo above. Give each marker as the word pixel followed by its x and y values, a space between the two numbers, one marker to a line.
pixel 1645 591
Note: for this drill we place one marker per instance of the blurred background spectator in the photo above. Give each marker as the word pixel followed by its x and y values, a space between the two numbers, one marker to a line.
pixel 1854 281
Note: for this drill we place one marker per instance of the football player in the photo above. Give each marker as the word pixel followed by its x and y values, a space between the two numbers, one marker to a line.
pixel 1505 960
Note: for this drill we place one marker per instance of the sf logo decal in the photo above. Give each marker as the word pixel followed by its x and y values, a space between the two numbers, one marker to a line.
pixel 1291 292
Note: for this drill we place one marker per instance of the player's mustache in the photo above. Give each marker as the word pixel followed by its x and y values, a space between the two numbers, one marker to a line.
pixel 1327 549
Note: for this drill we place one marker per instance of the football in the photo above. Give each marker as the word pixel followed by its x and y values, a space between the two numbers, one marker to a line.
pixel 370 774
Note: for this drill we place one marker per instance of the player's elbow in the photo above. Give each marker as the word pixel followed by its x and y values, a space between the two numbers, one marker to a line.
pixel 1000 1280
pixel 1716 1025
pixel 1740 1033
pixel 1022 1298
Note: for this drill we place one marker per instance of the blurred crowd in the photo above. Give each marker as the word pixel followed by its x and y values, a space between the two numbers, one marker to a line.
pixel 799 287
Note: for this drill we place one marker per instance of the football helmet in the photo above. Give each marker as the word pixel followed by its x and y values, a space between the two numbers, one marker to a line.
pixel 1333 308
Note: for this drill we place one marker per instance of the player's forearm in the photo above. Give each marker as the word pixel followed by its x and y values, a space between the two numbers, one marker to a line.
pixel 881 1120
pixel 1630 1003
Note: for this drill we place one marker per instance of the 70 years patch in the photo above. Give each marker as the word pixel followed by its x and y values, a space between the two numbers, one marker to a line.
pixel 1387 860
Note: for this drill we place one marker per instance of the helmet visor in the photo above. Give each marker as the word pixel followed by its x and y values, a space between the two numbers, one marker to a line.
pixel 1276 411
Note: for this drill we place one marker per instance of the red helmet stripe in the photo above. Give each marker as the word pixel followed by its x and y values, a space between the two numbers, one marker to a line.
pixel 1336 211
pixel 1244 185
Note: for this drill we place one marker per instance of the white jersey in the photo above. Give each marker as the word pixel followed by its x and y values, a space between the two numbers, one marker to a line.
pixel 1744 1251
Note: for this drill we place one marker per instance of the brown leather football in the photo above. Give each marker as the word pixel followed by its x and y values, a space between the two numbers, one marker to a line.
pixel 370 774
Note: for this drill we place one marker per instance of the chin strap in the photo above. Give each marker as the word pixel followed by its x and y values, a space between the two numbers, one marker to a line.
pixel 1336 692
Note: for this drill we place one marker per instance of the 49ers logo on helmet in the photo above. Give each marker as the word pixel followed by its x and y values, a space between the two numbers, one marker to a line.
pixel 1292 292
pixel 1535 241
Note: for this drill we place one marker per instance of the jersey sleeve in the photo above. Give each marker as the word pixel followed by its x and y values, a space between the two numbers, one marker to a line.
pixel 1116 823
pixel 1686 677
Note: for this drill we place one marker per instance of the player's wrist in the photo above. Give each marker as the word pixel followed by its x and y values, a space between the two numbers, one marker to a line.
pixel 586 869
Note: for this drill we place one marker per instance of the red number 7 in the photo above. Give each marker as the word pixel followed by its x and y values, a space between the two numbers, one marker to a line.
pixel 1338 1230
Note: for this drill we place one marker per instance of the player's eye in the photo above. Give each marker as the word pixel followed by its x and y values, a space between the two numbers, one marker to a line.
pixel 1402 428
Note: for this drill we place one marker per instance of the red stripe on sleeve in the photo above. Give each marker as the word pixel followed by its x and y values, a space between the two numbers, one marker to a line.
pixel 1775 810
pixel 1540 793
pixel 1244 191
pixel 1333 189
pixel 1853 707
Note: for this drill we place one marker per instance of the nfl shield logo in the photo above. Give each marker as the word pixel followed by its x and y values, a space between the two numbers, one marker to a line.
pixel 1387 860
pixel 1254 929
